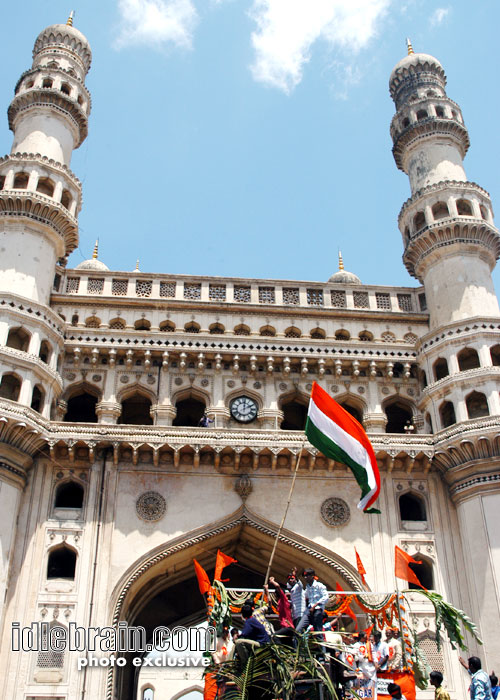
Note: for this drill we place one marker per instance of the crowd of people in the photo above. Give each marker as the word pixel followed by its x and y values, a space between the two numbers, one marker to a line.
pixel 355 659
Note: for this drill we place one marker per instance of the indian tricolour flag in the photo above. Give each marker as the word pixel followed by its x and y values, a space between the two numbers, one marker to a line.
pixel 339 436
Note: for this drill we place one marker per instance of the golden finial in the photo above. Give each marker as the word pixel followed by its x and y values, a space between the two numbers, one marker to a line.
pixel 341 262
pixel 69 23
pixel 410 47
pixel 96 250
pixel 137 265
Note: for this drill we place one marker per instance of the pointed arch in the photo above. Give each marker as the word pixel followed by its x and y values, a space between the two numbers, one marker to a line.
pixel 82 399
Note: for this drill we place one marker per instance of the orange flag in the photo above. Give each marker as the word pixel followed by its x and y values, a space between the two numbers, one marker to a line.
pixel 202 576
pixel 361 568
pixel 402 567
pixel 348 610
pixel 221 562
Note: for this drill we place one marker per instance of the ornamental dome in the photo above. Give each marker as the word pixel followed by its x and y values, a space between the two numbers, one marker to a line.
pixel 93 264
pixel 65 36
pixel 412 70
pixel 343 276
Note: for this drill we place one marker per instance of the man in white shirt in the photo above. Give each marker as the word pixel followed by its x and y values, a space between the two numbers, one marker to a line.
pixel 395 649
pixel 297 596
pixel 316 599
pixel 380 652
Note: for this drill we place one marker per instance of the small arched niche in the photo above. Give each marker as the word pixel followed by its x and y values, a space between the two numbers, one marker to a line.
pixel 447 414
pixel 440 211
pixel 142 325
pixel 216 329
pixel 495 355
pixel 399 414
pixel 440 368
pixel 412 511
pixel 352 407
pixel 21 181
pixel 19 339
pixel 69 496
pixel 45 352
pixel 136 410
pixel 190 410
pixel 167 326
pixel 37 398
pixel 295 413
pixel 477 405
pixel 468 359
pixel 82 407
pixel 10 387
pixel 61 563
pixel 46 186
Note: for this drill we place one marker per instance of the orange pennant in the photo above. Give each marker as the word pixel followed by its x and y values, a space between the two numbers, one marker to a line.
pixel 402 567
pixel 202 576
pixel 361 568
pixel 221 562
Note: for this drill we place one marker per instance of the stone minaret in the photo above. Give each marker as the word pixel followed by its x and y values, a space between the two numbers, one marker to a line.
pixel 451 243
pixel 39 196
pixel 451 246
pixel 39 202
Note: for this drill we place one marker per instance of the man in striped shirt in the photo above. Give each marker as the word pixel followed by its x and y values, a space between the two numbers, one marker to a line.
pixel 297 597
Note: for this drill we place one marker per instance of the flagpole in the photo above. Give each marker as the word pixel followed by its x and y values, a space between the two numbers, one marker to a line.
pixel 297 463
pixel 398 606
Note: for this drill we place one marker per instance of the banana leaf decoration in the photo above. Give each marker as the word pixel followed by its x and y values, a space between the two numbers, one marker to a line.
pixel 451 619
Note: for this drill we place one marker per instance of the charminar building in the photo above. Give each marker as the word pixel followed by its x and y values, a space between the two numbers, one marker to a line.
pixel 108 487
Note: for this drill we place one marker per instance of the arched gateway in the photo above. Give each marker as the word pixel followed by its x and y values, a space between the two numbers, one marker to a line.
pixel 161 589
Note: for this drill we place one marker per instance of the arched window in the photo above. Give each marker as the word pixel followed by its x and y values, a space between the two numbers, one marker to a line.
pixel 477 405
pixel 268 331
pixel 92 322
pixel 447 414
pixel 66 199
pixel 464 207
pixel 21 181
pixel 412 507
pixel 47 83
pixel 136 410
pixel 440 210
pixel 366 336
pixel 45 352
pixel 423 572
pixel 37 398
pixel 81 408
pixel 2 181
pixel 295 414
pixel 167 326
pixel 242 330
pixel 421 114
pixel 342 334
pixel 292 332
pixel 351 408
pixel 192 327
pixel 495 355
pixel 189 411
pixel 468 359
pixel 10 386
pixel 75 320
pixel 419 221
pixel 61 563
pixel 148 694
pixel 117 324
pixel 318 334
pixel 439 112
pixel 484 212
pixel 65 88
pixel 142 325
pixel 399 414
pixel 406 122
pixel 440 368
pixel 45 186
pixel 428 423
pixel 19 339
pixel 216 329
pixel 69 495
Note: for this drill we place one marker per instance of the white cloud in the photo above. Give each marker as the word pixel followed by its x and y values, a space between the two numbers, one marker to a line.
pixel 439 15
pixel 287 29
pixel 156 22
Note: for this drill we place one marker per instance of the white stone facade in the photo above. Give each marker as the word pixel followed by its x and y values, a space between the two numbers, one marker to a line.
pixel 105 375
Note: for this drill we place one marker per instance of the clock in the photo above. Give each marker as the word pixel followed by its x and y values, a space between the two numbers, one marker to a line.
pixel 243 409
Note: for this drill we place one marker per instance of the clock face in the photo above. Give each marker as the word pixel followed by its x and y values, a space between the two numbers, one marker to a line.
pixel 244 409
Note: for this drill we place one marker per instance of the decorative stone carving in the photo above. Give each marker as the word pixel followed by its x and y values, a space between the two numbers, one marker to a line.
pixel 124 379
pixel 257 385
pixel 243 486
pixel 178 381
pixel 151 506
pixel 205 382
pixel 335 512
pixel 231 383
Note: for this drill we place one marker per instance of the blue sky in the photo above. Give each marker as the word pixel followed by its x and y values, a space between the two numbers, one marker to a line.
pixel 251 137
